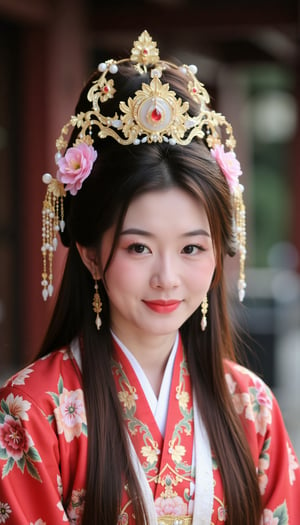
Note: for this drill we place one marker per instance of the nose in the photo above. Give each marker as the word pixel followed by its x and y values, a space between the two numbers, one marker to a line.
pixel 165 273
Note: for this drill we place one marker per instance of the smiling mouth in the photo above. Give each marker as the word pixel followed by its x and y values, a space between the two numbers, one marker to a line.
pixel 163 307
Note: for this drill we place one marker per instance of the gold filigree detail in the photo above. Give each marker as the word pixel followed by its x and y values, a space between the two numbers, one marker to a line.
pixel 177 452
pixel 182 396
pixel 174 520
pixel 102 89
pixel 57 189
pixel 128 398
pixel 198 93
pixel 150 452
pixel 154 113
pixel 144 51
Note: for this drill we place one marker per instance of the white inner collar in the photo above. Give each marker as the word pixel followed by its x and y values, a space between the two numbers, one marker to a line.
pixel 159 406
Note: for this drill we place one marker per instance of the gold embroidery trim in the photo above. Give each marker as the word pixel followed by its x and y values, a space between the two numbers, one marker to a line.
pixel 174 520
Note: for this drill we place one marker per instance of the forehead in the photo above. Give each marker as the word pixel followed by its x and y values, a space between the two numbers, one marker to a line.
pixel 166 209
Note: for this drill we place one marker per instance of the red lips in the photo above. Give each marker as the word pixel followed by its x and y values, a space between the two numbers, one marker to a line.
pixel 163 307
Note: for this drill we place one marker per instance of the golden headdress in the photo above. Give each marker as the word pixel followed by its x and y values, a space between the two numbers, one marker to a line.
pixel 153 114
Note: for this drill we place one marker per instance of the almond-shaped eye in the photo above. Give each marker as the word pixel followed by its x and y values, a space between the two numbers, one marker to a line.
pixel 192 249
pixel 138 248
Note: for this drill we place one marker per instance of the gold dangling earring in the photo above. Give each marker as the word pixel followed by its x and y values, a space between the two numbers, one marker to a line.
pixel 97 306
pixel 204 308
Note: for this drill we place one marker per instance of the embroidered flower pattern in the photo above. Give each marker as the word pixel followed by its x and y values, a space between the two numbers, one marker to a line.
pixel 5 512
pixel 228 164
pixel 76 506
pixel 261 406
pixel 150 452
pixel 60 503
pixel 177 452
pixel 268 518
pixel 69 412
pixel 263 465
pixel 222 514
pixel 293 464
pixel 18 407
pixel 278 517
pixel 178 469
pixel 128 398
pixel 16 445
pixel 183 397
pixel 256 403
pixel 21 377
pixel 174 506
pixel 21 464
pixel 123 519
pixel 76 166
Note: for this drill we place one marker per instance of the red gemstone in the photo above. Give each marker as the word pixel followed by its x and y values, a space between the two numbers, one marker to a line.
pixel 156 115
pixel 145 51
pixel 106 89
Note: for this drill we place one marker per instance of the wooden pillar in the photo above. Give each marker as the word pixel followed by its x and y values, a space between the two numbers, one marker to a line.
pixel 54 61
pixel 33 159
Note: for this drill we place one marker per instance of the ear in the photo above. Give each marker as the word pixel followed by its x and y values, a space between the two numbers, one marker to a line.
pixel 90 259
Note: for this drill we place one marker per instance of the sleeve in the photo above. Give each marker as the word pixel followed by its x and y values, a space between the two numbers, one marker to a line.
pixel 30 483
pixel 275 459
pixel 279 473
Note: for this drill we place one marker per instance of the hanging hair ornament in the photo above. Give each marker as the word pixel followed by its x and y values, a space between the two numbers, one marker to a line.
pixel 52 210
pixel 154 113
pixel 204 309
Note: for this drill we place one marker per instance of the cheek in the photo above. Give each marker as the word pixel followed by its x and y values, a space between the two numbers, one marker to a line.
pixel 121 275
pixel 203 273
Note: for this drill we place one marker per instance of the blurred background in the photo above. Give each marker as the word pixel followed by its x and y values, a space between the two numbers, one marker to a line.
pixel 247 54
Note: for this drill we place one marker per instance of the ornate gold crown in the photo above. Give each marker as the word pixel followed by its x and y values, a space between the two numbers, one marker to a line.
pixel 154 114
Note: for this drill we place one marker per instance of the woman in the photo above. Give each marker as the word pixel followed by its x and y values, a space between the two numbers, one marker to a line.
pixel 139 355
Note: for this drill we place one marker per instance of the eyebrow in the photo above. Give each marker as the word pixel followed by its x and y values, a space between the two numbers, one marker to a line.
pixel 137 231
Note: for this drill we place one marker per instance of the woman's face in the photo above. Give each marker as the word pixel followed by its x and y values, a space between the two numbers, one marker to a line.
pixel 162 266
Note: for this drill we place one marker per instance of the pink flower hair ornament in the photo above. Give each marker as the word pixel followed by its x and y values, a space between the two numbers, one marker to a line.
pixel 231 169
pixel 73 169
pixel 228 164
pixel 75 166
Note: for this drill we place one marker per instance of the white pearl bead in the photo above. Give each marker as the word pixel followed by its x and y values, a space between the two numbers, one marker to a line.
pixel 193 69
pixel 113 68
pixel 47 178
pixel 102 67
pixel 57 156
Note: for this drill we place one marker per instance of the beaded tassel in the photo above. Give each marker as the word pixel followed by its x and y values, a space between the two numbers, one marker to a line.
pixel 52 222
pixel 240 219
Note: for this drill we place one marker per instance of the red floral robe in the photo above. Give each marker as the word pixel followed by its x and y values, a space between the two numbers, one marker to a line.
pixel 43 445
